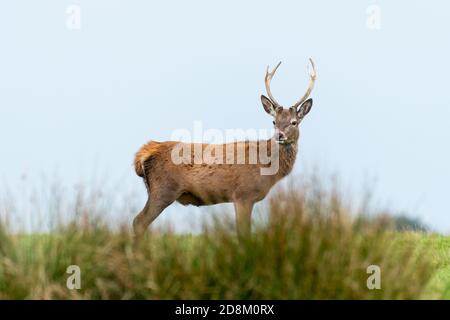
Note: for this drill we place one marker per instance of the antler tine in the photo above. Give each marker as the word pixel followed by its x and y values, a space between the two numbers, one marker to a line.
pixel 312 79
pixel 268 79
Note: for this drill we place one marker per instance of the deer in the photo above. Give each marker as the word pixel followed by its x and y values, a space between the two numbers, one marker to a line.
pixel 202 184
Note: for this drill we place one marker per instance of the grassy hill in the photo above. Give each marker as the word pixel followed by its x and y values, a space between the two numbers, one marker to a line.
pixel 312 247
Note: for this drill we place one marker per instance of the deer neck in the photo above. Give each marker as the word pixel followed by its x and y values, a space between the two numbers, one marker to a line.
pixel 287 157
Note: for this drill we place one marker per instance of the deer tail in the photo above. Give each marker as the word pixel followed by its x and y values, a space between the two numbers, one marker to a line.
pixel 142 156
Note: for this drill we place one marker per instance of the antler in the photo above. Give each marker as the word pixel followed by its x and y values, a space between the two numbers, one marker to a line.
pixel 267 80
pixel 313 76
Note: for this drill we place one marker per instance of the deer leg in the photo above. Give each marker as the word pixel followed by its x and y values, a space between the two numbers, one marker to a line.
pixel 138 221
pixel 243 217
pixel 153 208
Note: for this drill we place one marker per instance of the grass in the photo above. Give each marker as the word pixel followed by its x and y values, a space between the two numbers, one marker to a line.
pixel 438 247
pixel 311 247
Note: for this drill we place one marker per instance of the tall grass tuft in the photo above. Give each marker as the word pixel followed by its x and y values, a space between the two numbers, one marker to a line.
pixel 311 247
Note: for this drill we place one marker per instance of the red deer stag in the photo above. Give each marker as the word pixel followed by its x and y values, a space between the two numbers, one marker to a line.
pixel 200 183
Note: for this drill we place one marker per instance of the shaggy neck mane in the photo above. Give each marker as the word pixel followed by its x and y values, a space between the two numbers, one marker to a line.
pixel 287 157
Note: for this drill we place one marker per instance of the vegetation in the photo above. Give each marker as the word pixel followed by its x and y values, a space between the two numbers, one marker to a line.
pixel 310 247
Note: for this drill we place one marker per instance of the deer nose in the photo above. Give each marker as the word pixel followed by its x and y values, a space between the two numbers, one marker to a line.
pixel 281 135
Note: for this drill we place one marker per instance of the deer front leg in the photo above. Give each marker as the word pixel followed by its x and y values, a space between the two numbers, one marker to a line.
pixel 243 217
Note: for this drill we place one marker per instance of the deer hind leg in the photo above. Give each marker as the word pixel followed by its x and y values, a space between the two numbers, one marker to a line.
pixel 243 217
pixel 156 203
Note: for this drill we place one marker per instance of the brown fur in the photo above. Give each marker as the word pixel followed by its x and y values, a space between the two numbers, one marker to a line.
pixel 206 184
pixel 143 154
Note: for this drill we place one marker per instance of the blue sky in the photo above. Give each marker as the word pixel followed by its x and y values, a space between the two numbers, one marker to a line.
pixel 81 102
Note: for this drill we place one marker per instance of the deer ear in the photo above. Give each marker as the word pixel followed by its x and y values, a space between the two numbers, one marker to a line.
pixel 304 108
pixel 268 106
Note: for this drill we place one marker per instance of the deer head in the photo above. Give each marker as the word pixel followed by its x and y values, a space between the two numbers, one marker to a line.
pixel 287 120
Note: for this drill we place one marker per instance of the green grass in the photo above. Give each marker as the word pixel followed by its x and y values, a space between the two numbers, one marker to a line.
pixel 438 247
pixel 310 248
pixel 269 265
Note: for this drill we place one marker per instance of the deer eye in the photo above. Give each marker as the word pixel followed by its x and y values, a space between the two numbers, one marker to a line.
pixel 294 122
pixel 274 123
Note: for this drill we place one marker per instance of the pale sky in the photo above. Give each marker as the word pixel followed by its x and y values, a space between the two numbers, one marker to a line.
pixel 81 102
